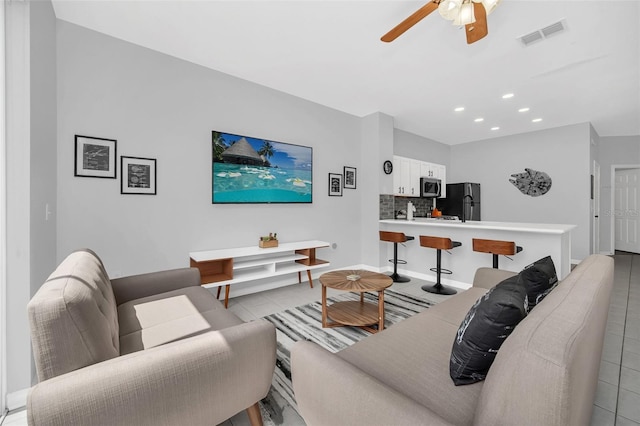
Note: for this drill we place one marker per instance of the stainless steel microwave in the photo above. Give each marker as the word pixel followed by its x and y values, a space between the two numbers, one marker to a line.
pixel 430 187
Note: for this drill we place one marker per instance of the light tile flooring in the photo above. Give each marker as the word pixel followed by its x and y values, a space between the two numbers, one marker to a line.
pixel 618 396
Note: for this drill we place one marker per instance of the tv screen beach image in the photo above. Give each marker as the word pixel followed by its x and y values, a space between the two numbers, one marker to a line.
pixel 252 170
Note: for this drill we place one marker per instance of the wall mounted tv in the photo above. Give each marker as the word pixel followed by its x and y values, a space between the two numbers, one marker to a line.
pixel 252 170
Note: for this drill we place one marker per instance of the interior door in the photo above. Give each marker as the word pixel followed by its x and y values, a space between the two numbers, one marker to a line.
pixel 626 210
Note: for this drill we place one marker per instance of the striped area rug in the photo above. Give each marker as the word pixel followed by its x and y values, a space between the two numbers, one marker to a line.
pixel 305 323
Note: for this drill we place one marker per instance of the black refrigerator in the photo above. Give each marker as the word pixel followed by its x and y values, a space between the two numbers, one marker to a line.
pixel 462 196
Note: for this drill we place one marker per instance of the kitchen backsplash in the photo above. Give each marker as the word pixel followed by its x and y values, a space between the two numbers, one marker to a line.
pixel 390 205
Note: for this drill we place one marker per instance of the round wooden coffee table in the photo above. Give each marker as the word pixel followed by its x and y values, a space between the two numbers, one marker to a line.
pixel 358 314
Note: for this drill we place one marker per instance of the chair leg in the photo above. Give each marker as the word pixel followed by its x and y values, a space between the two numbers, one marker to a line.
pixel 495 261
pixel 254 415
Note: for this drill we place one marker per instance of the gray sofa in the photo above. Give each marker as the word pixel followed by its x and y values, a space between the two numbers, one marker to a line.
pixel 152 349
pixel 545 373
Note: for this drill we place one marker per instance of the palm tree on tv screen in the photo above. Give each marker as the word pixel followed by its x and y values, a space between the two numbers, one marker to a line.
pixel 266 149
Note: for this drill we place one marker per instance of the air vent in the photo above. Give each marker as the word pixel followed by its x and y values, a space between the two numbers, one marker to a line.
pixel 543 33
pixel 527 39
pixel 553 29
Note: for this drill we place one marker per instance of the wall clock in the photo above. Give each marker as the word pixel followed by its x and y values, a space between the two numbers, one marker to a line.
pixel 387 167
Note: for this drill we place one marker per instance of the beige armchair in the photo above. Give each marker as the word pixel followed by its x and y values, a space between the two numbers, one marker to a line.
pixel 152 349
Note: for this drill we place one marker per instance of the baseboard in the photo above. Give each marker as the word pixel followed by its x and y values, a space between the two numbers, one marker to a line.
pixel 16 400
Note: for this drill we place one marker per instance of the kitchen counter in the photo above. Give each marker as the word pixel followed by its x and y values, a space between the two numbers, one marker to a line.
pixel 545 228
pixel 537 240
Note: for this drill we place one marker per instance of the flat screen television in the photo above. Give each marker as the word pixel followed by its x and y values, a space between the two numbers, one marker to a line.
pixel 252 170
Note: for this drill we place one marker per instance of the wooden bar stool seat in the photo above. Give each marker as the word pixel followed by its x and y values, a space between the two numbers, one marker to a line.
pixel 496 248
pixel 396 238
pixel 439 243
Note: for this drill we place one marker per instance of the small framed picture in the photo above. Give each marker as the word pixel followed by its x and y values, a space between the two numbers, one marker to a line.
pixel 138 175
pixel 95 157
pixel 349 177
pixel 335 185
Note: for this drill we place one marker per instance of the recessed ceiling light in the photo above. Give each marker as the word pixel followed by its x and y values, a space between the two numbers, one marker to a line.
pixel 507 96
pixel 495 128
pixel 536 120
pixel 478 120
pixel 459 109
pixel 523 110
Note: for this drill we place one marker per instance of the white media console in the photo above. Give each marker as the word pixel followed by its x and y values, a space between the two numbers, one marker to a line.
pixel 224 267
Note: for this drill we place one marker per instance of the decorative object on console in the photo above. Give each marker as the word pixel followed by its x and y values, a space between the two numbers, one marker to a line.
pixel 270 240
pixel 335 185
pixel 251 170
pixel 531 182
pixel 95 157
pixel 349 177
pixel 138 175
pixel 387 167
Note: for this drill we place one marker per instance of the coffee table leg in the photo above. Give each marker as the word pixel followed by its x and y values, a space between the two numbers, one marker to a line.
pixel 380 310
pixel 324 306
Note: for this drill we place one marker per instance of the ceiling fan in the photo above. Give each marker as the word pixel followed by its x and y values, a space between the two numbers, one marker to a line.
pixel 470 13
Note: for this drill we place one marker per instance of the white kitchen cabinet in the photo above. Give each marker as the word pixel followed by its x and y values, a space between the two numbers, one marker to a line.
pixel 408 171
pixel 406 176
pixel 441 173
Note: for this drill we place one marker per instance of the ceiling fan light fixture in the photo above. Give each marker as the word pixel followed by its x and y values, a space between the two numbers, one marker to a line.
pixel 490 5
pixel 466 15
pixel 449 9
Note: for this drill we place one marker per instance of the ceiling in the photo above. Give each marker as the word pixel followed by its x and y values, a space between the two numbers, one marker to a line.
pixel 330 52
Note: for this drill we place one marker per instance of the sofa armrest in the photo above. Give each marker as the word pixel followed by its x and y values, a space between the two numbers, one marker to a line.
pixel 137 286
pixel 331 391
pixel 489 277
pixel 204 379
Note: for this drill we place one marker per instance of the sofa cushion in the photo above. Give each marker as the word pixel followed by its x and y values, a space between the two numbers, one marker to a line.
pixel 73 317
pixel 167 317
pixel 485 327
pixel 539 278
pixel 412 357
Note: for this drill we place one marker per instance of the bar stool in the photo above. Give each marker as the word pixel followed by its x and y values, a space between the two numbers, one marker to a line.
pixel 439 244
pixel 496 248
pixel 395 238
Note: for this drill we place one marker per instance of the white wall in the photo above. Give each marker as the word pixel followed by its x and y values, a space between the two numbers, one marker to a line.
pixel 410 145
pixel 31 174
pixel 377 147
pixel 161 107
pixel 612 150
pixel 563 153
pixel 43 142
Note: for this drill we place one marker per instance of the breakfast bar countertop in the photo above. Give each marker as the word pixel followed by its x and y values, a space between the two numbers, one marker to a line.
pixel 543 228
pixel 537 240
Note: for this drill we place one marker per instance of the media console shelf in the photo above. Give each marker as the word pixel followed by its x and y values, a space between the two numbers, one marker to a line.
pixel 224 267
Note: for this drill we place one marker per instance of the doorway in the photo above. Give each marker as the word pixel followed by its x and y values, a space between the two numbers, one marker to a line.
pixel 625 208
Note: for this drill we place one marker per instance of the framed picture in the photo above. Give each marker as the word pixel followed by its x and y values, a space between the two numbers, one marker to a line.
pixel 138 175
pixel 335 185
pixel 349 177
pixel 95 157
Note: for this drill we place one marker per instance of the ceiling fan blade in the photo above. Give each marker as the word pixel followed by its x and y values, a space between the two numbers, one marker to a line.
pixel 478 29
pixel 416 17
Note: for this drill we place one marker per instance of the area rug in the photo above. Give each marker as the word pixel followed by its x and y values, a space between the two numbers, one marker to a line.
pixel 305 323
